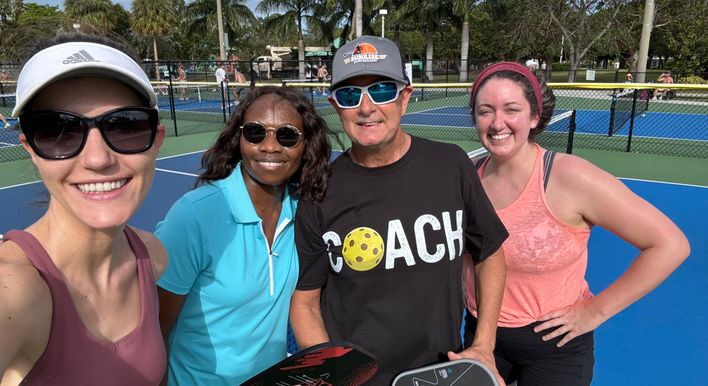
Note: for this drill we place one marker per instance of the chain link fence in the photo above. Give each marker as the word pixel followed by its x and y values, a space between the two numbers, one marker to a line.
pixel 623 117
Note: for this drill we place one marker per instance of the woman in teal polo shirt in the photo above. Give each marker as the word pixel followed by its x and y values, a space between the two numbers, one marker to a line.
pixel 225 295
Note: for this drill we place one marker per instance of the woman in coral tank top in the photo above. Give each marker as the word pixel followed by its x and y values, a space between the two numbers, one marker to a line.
pixel 548 315
pixel 78 302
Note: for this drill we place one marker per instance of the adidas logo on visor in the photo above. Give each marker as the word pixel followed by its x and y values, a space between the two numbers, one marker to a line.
pixel 79 57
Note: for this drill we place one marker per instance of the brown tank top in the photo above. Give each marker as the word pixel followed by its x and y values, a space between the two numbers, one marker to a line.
pixel 73 356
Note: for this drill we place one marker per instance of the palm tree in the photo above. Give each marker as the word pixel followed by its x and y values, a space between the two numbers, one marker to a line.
pixel 295 13
pixel 430 14
pixel 93 15
pixel 200 21
pixel 151 18
pixel 358 9
pixel 336 19
pixel 461 9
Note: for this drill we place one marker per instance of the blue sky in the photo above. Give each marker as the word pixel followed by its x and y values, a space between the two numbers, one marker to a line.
pixel 125 3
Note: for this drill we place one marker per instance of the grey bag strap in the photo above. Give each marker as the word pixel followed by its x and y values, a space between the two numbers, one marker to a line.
pixel 547 165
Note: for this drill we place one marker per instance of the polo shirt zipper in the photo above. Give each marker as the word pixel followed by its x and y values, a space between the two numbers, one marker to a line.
pixel 278 229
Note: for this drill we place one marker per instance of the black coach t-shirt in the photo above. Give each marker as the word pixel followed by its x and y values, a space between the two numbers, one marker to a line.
pixel 386 245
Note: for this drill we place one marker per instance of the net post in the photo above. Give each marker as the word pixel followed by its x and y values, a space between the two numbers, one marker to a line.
pixel 631 121
pixel 571 133
pixel 613 106
pixel 224 95
pixel 2 92
pixel 171 95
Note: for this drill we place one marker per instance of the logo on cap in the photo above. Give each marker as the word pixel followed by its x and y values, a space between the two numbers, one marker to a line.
pixel 363 53
pixel 79 57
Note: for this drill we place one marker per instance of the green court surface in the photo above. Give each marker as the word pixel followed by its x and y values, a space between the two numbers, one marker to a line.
pixel 627 165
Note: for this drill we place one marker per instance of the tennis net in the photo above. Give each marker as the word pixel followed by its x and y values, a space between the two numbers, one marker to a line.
pixel 7 100
pixel 559 132
pixel 625 107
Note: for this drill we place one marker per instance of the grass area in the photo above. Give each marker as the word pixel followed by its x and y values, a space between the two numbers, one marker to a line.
pixel 621 164
pixel 197 131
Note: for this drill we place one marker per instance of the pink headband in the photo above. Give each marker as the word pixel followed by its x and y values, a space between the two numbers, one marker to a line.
pixel 508 66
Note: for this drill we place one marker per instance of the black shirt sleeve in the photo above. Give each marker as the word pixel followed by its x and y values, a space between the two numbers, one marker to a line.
pixel 311 249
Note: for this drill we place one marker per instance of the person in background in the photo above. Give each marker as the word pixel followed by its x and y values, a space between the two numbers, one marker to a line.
pixel 182 78
pixel 222 81
pixel 663 93
pixel 78 304
pixel 322 74
pixel 225 297
pixel 381 256
pixel 549 203
pixel 239 79
pixel 4 121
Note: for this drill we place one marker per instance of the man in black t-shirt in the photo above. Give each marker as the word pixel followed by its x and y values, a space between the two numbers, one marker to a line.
pixel 381 255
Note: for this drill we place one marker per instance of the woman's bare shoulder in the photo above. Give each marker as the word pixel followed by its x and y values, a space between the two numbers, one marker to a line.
pixel 574 171
pixel 157 252
pixel 24 294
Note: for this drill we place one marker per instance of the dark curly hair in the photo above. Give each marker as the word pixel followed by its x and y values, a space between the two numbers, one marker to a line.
pixel 549 100
pixel 310 180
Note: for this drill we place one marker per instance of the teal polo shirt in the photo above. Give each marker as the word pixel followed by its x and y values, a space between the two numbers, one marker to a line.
pixel 234 320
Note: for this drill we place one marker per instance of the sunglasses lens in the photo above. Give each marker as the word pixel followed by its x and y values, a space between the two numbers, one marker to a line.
pixel 129 131
pixel 287 136
pixel 54 134
pixel 347 96
pixel 383 92
pixel 254 132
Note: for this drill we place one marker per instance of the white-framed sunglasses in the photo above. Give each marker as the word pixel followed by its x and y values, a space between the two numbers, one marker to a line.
pixel 385 91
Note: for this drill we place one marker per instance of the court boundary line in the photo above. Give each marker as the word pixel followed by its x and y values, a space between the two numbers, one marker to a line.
pixel 18 185
pixel 200 151
pixel 176 172
pixel 664 182
pixel 156 169
pixel 180 155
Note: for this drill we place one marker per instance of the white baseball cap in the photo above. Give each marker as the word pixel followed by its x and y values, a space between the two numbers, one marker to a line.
pixel 74 59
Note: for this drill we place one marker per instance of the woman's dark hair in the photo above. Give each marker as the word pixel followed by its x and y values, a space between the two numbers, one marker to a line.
pixel 549 100
pixel 310 180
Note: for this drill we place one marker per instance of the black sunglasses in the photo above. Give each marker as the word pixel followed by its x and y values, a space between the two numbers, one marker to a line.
pixel 255 132
pixel 57 134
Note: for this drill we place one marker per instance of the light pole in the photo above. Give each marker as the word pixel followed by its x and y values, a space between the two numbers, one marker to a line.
pixel 382 13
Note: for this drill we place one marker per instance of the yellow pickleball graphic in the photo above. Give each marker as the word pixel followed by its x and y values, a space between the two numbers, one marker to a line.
pixel 363 249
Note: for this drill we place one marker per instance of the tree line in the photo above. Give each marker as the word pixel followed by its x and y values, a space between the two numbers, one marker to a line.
pixel 586 31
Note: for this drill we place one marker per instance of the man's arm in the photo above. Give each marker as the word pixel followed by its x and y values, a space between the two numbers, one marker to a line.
pixel 170 306
pixel 490 278
pixel 306 318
